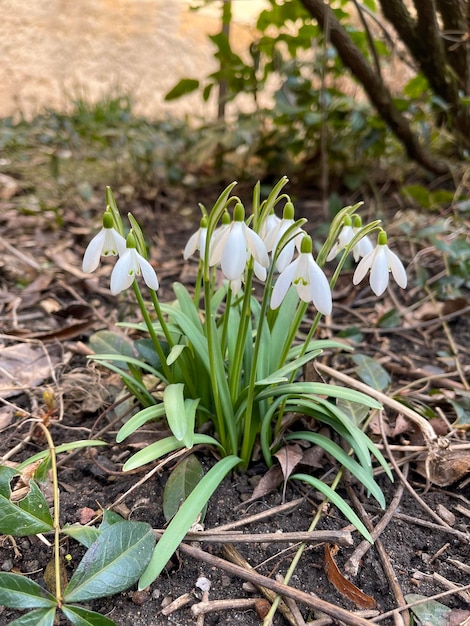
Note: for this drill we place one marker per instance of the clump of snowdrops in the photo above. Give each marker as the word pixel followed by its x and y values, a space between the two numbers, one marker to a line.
pixel 228 358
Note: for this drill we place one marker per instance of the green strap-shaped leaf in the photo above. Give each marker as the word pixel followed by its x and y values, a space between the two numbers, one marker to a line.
pixel 19 592
pixel 113 562
pixel 340 455
pixel 173 399
pixel 79 616
pixel 40 617
pixel 160 448
pixel 28 516
pixel 65 447
pixel 337 500
pixel 185 518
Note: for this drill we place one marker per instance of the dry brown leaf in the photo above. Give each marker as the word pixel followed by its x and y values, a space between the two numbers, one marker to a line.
pixel 444 466
pixel 289 457
pixel 24 366
pixel 268 483
pixel 342 584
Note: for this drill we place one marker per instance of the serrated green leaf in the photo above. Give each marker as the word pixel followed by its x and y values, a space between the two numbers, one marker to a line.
pixel 40 617
pixel 19 592
pixel 28 516
pixel 371 372
pixel 337 500
pixel 79 616
pixel 185 518
pixel 181 482
pixel 113 562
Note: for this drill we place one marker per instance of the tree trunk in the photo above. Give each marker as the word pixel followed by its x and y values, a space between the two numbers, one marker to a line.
pixel 376 90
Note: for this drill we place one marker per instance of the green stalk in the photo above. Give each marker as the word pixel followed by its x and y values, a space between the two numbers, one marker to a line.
pixel 153 335
pixel 235 372
pixel 55 486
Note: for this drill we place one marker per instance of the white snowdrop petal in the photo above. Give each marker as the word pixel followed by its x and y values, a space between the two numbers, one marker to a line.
pixel 217 244
pixel 285 256
pixel 233 259
pixel 260 271
pixel 113 244
pixel 256 246
pixel 91 258
pixel 236 285
pixel 149 274
pixel 364 266
pixel 396 266
pixel 123 273
pixel 283 283
pixel 379 275
pixel 190 247
pixel 319 288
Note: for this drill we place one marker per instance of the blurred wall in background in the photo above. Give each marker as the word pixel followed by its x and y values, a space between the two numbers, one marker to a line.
pixel 54 51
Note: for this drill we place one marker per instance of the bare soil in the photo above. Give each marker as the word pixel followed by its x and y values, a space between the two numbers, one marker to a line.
pixel 48 304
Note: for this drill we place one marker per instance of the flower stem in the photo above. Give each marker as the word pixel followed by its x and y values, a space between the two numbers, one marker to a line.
pixel 153 335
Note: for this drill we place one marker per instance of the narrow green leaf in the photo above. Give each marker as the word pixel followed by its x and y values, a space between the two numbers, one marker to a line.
pixel 181 482
pixel 65 447
pixel 173 399
pixel 371 372
pixel 190 406
pixel 28 516
pixel 344 459
pixel 161 448
pixel 19 592
pixel 185 518
pixel 175 353
pixel 321 389
pixel 39 617
pixel 139 419
pixel 337 500
pixel 113 562
pixel 79 616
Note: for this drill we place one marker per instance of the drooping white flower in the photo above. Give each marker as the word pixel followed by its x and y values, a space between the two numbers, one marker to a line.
pixel 308 278
pixel 274 235
pixel 108 242
pixel 346 235
pixel 234 245
pixel 269 224
pixel 130 265
pixel 381 261
pixel 197 241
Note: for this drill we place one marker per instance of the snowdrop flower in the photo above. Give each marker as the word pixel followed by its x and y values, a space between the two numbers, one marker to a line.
pixel 108 242
pixel 234 245
pixel 308 278
pixel 130 265
pixel 380 261
pixel 275 234
pixel 364 245
pixel 197 241
pixel 346 235
pixel 269 224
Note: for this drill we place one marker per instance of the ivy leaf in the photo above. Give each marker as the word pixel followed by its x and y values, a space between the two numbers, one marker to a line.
pixel 28 516
pixel 113 562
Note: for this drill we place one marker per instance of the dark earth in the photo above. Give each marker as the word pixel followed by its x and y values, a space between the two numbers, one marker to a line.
pixel 40 279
